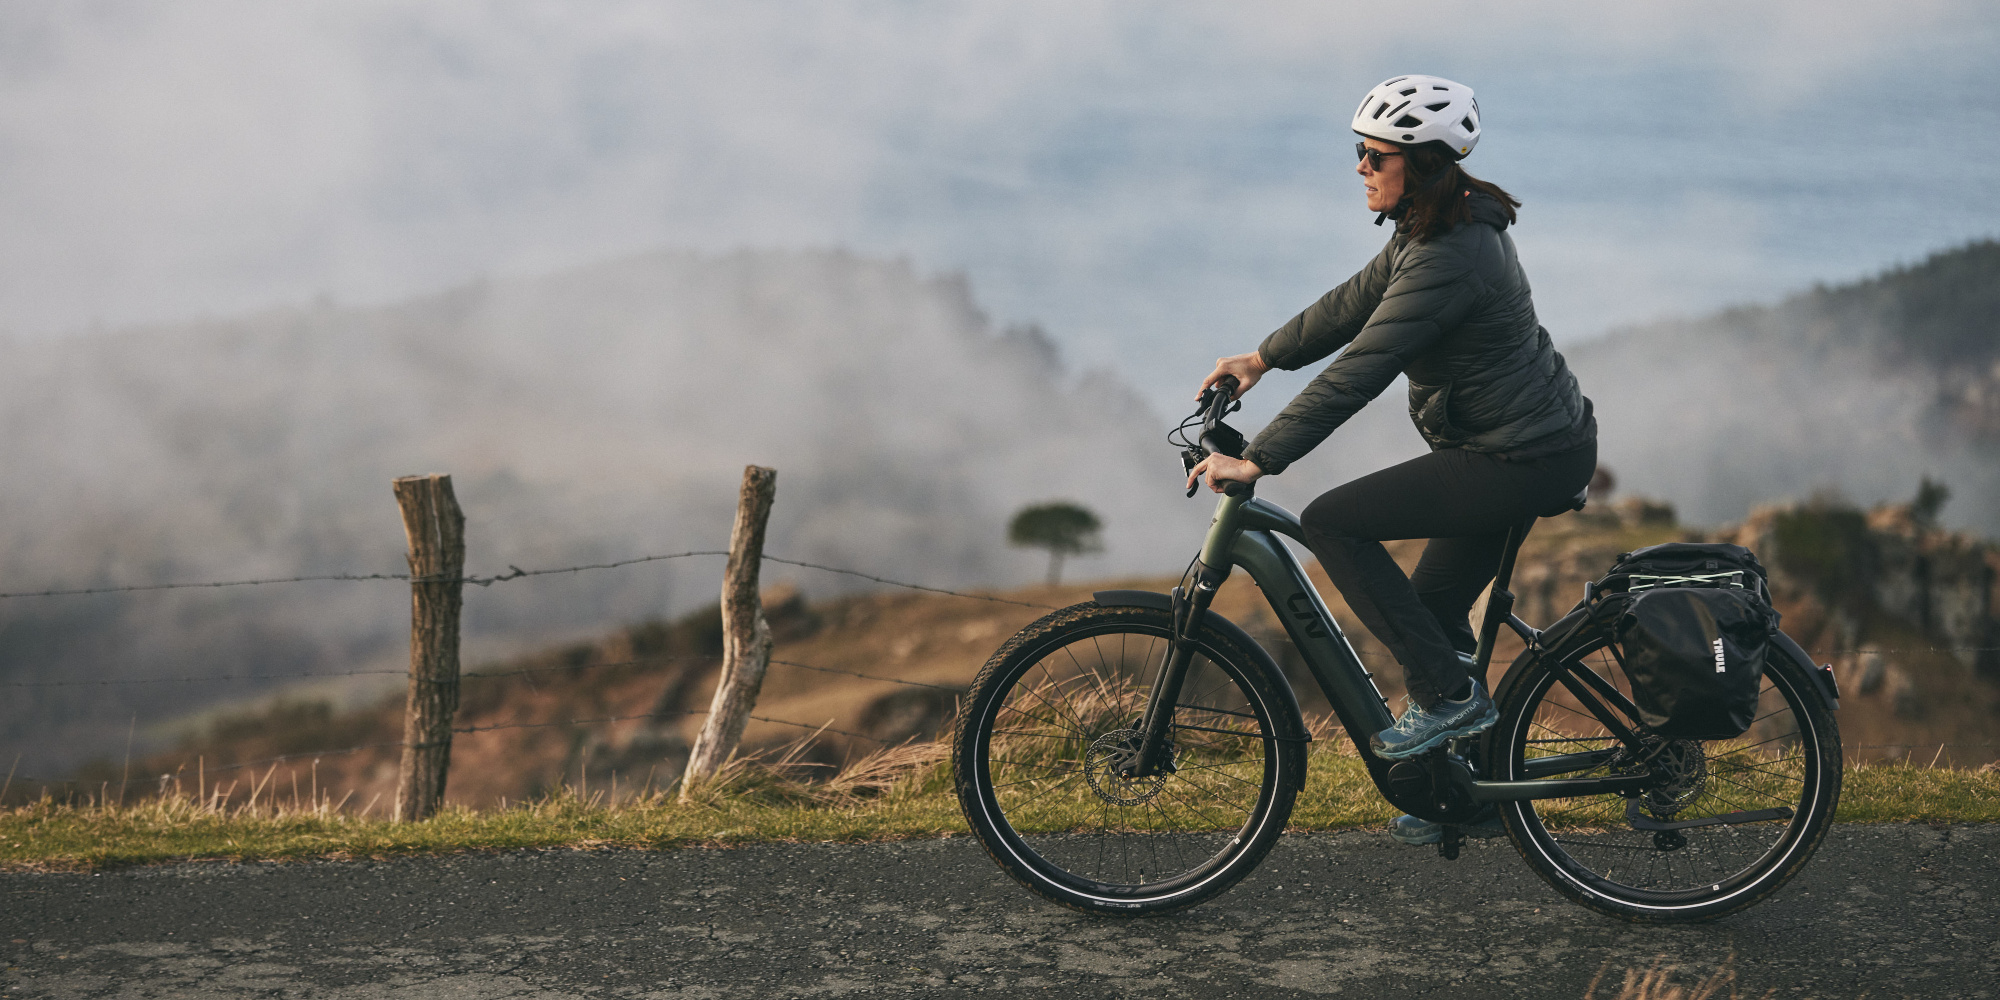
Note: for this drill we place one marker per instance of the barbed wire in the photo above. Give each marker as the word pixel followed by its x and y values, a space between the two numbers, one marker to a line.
pixel 112 682
pixel 909 586
pixel 871 677
pixel 1920 649
pixel 513 573
pixel 475 675
pixel 1907 746
pixel 70 592
pixel 516 572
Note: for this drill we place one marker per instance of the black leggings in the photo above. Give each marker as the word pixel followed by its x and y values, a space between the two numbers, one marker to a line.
pixel 1462 501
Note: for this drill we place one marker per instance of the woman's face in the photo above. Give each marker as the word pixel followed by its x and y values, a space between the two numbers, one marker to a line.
pixel 1384 186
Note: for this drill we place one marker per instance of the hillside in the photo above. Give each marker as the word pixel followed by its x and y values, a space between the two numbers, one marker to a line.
pixel 587 416
pixel 1862 388
pixel 605 412
pixel 1932 594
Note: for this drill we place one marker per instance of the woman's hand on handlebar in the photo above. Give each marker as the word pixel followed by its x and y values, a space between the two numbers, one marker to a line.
pixel 1247 368
pixel 1221 470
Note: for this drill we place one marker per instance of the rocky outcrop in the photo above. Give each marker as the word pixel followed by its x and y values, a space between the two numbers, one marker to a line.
pixel 1884 561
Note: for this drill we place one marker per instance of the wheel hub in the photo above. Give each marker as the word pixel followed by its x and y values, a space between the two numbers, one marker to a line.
pixel 1683 768
pixel 1110 755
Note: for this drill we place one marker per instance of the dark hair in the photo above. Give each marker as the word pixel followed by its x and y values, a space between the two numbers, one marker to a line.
pixel 1436 192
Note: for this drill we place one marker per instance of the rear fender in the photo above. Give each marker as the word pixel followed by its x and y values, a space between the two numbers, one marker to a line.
pixel 1822 675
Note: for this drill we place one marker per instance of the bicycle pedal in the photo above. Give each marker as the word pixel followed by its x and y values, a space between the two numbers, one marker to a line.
pixel 1448 845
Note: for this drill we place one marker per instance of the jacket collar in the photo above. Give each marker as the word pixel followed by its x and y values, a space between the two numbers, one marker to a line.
pixel 1485 208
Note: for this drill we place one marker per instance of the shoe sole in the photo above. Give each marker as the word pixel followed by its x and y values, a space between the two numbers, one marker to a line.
pixel 1437 834
pixel 1480 725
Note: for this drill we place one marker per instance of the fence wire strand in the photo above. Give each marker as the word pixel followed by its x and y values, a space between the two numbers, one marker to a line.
pixel 513 573
pixel 517 573
pixel 476 675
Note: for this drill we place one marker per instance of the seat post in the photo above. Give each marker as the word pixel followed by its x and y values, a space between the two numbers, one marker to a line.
pixel 1500 603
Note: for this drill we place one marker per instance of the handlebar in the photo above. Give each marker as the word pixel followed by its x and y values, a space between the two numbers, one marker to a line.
pixel 1216 437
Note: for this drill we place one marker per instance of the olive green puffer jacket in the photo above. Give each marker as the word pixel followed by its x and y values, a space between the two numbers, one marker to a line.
pixel 1453 313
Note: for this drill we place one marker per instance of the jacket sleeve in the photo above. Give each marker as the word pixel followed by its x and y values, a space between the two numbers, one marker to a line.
pixel 1330 323
pixel 1429 295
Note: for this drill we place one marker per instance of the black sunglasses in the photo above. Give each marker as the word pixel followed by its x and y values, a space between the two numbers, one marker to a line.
pixel 1373 156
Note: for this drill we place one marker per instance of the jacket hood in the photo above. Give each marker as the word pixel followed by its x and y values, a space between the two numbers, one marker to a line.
pixel 1487 209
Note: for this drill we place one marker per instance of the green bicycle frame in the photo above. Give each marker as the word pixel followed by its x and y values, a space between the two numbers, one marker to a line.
pixel 1244 532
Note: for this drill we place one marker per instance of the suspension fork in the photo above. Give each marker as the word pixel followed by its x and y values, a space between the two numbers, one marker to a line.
pixel 1211 568
pixel 1159 718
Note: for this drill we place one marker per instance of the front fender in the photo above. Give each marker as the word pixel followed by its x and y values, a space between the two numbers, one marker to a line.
pixel 1292 725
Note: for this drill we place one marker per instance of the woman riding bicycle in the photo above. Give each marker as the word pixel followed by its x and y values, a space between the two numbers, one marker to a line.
pixel 1447 304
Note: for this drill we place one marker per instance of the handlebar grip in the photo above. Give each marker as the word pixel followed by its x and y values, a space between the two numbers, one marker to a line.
pixel 1232 488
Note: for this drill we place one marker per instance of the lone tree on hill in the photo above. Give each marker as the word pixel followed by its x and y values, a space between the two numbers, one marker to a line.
pixel 1061 527
pixel 1931 498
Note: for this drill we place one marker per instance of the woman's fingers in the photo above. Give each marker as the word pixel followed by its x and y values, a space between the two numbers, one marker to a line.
pixel 1213 376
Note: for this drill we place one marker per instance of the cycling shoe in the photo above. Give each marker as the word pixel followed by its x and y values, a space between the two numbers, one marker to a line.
pixel 1407 829
pixel 1421 729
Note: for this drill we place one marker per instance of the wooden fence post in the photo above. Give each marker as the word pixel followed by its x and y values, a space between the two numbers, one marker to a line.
pixel 436 530
pixel 746 637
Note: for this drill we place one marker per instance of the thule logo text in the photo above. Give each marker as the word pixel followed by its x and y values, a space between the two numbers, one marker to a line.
pixel 1720 667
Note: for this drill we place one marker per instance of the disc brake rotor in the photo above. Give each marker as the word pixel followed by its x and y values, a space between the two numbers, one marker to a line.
pixel 1111 752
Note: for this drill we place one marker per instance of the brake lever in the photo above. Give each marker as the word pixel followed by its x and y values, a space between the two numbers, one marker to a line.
pixel 1191 457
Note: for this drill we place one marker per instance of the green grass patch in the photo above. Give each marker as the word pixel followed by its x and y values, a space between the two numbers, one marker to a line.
pixel 910 798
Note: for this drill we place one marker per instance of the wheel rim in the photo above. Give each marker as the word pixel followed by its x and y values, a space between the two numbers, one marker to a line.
pixel 1050 742
pixel 1775 764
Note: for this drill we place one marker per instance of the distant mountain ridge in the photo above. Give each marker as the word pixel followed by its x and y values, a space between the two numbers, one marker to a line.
pixel 1861 388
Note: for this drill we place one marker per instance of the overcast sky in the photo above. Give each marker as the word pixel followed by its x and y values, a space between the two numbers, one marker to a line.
pixel 1155 183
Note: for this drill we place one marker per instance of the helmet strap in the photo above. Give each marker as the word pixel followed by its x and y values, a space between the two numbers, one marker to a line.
pixel 1395 213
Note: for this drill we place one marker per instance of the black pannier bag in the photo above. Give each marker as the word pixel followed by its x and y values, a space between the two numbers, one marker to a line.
pixel 1694 623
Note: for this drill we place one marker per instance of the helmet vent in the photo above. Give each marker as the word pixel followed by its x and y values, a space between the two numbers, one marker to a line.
pixel 1408 92
pixel 1406 122
pixel 1439 106
pixel 1470 125
pixel 1384 106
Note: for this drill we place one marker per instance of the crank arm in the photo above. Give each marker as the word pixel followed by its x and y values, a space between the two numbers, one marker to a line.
pixel 1641 821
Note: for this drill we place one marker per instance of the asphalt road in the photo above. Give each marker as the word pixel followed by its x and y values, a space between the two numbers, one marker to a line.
pixel 1882 912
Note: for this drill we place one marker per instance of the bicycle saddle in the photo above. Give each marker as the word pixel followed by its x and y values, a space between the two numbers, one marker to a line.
pixel 1573 503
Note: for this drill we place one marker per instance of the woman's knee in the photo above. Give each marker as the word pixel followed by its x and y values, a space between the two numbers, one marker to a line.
pixel 1331 518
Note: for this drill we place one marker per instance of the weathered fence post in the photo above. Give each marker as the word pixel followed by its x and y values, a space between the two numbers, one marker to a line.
pixel 746 637
pixel 436 530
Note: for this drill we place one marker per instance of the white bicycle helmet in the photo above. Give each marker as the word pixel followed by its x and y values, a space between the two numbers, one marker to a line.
pixel 1413 110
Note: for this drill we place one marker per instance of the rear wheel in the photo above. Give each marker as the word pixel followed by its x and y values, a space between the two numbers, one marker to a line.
pixel 1055 710
pixel 1732 821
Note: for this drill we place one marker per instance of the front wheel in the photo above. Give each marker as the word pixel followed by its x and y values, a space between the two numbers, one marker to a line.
pixel 1730 821
pixel 1055 710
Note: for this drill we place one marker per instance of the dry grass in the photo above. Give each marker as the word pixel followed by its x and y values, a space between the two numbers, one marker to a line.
pixel 1655 982
pixel 898 793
